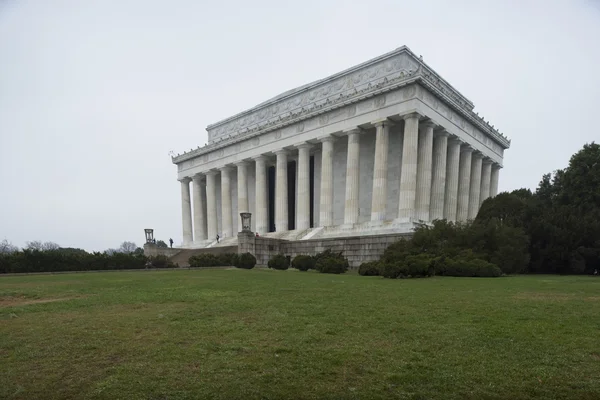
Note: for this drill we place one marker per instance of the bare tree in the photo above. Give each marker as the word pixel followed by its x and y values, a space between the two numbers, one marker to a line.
pixel 50 246
pixel 127 247
pixel 34 245
pixel 110 252
pixel 41 246
pixel 6 247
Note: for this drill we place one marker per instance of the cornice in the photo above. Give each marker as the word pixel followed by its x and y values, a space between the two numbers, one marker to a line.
pixel 308 87
pixel 382 74
pixel 292 119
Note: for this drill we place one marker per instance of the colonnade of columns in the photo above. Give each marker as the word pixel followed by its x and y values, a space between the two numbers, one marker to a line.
pixel 440 177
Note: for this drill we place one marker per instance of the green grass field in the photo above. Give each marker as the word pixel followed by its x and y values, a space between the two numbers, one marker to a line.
pixel 261 334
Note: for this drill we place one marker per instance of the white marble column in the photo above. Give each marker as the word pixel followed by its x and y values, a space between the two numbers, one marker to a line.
pixel 199 198
pixel 451 191
pixel 408 176
pixel 352 177
pixel 303 204
pixel 438 183
pixel 424 165
pixel 494 180
pixel 211 204
pixel 475 184
pixel 464 180
pixel 242 192
pixel 281 192
pixel 261 206
pixel 186 211
pixel 379 192
pixel 226 221
pixel 326 192
pixel 486 176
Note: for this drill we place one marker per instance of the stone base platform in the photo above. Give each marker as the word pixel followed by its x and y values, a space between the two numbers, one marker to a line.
pixel 357 249
pixel 369 228
pixel 359 243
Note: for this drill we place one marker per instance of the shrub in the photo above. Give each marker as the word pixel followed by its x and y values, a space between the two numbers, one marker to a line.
pixel 397 251
pixel 246 261
pixel 327 254
pixel 420 265
pixel 67 260
pixel 278 261
pixel 203 260
pixel 227 259
pixel 471 268
pixel 332 265
pixel 303 263
pixel 328 262
pixel 369 268
pixel 159 261
pixel 489 270
pixel 394 270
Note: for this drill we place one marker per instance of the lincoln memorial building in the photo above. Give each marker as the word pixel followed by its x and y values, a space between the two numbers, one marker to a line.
pixel 379 148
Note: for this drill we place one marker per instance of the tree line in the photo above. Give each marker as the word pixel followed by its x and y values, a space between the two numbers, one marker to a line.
pixel 554 229
pixel 560 219
pixel 40 256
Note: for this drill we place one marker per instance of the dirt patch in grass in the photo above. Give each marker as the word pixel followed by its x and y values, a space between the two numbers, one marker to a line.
pixel 16 301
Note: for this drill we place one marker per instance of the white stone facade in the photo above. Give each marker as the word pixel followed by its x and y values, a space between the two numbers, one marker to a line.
pixel 373 149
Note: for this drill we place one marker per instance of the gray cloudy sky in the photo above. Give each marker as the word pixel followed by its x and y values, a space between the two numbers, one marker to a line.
pixel 94 94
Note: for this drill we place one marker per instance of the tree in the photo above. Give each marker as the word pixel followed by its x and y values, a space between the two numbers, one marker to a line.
pixel 41 246
pixel 6 247
pixel 110 252
pixel 127 247
pixel 161 244
pixel 580 182
pixel 508 208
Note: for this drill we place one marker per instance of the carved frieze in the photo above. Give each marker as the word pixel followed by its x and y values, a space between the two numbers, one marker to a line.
pixel 307 100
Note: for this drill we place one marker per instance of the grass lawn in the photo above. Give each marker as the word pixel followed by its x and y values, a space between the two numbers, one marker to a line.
pixel 261 334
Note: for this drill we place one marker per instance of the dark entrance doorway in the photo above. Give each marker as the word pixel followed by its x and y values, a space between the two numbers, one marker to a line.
pixel 311 175
pixel 291 176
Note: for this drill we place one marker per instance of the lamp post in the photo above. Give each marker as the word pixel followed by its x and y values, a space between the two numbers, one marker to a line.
pixel 246 221
pixel 149 235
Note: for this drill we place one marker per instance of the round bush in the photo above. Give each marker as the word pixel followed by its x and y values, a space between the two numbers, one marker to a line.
pixel 159 261
pixel 369 268
pixel 303 263
pixel 471 268
pixel 420 265
pixel 245 261
pixel 279 261
pixel 227 259
pixel 332 265
pixel 394 270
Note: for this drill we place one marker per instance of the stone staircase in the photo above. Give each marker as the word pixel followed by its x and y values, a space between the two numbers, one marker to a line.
pixel 225 242
pixel 363 229
pixel 292 235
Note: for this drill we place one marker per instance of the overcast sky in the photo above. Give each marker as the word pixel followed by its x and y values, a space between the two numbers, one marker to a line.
pixel 95 93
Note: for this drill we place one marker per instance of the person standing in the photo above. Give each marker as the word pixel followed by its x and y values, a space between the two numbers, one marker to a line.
pixel 171 242
pixel 217 238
